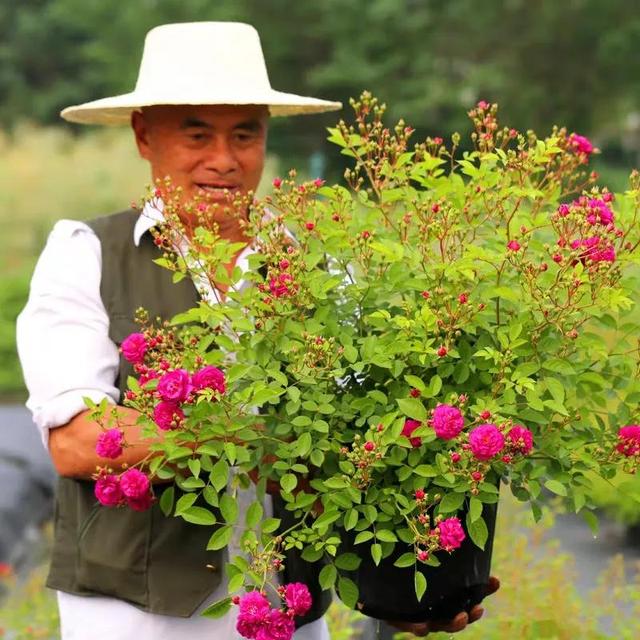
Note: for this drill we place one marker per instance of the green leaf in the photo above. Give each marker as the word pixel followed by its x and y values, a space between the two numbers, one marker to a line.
pixel 477 531
pixel 219 475
pixel 556 487
pixel 218 609
pixel 556 389
pixel 348 592
pixel 405 560
pixel 304 444
pixel 269 525
pixel 230 450
pixel 420 584
pixel 229 508
pixel 435 386
pixel 475 509
pixel 288 482
pixel 348 561
pixel 328 576
pixel 363 536
pixel 413 408
pixel 236 582
pixel 254 514
pixel 385 535
pixel 185 501
pixel 326 519
pixel 194 467
pixel 350 519
pixel 198 515
pixel 451 502
pixel 220 538
pixel 376 553
pixel 166 500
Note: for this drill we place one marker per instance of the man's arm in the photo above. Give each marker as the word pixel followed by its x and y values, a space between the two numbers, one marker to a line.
pixel 73 445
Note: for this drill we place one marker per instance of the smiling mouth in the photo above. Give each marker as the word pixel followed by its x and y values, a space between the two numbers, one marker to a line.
pixel 217 188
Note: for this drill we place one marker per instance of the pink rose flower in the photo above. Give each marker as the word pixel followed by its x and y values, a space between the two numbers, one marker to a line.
pixel 253 614
pixel 175 386
pixel 486 441
pixel 168 415
pixel 409 427
pixel 141 504
pixel 282 285
pixel 279 626
pixel 134 484
pixel 133 348
pixel 600 212
pixel 298 598
pixel 595 249
pixel 209 377
pixel 581 144
pixel 520 439
pixel 629 440
pixel 513 245
pixel 108 490
pixel 109 444
pixel 447 421
pixel 451 534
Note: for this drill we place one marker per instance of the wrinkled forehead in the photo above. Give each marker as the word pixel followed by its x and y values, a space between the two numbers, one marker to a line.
pixel 221 116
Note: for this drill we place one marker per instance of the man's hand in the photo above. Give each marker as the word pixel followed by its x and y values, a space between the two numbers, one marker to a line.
pixel 458 623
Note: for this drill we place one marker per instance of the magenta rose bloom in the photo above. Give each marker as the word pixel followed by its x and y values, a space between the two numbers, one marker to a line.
pixel 134 484
pixel 599 212
pixel 109 444
pixel 141 504
pixel 595 249
pixel 298 598
pixel 486 441
pixel 447 421
pixel 581 144
pixel 175 386
pixel 253 614
pixel 279 626
pixel 108 490
pixel 133 348
pixel 520 439
pixel 409 427
pixel 629 440
pixel 168 415
pixel 451 534
pixel 209 377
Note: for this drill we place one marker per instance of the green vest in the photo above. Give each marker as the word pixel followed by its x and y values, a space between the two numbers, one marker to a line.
pixel 156 563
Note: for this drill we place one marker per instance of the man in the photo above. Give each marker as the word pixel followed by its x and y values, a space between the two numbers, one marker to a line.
pixel 199 113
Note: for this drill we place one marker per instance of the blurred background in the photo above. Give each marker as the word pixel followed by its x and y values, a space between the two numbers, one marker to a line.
pixel 573 63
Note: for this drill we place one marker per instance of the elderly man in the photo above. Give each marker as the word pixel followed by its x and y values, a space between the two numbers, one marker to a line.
pixel 199 113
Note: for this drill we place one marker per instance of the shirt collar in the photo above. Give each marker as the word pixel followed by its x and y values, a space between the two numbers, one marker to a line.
pixel 149 217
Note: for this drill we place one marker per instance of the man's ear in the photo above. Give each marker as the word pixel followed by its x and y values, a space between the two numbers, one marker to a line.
pixel 140 128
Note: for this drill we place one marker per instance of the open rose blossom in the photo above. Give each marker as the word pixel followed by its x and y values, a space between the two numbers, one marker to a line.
pixel 595 249
pixel 209 377
pixel 253 614
pixel 108 490
pixel 447 421
pixel 134 484
pixel 298 598
pixel 581 144
pixel 279 626
pixel 486 441
pixel 168 415
pixel 520 439
pixel 629 440
pixel 109 444
pixel 133 348
pixel 175 386
pixel 142 503
pixel 409 427
pixel 451 534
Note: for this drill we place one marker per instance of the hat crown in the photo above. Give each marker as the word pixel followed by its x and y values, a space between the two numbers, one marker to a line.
pixel 185 55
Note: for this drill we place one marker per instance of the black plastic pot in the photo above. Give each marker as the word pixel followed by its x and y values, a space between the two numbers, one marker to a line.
pixel 387 592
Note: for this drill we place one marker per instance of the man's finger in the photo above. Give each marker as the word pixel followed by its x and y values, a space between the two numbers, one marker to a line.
pixel 476 613
pixel 492 586
pixel 450 626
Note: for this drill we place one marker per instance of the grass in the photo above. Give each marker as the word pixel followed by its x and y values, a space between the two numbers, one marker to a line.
pixel 537 601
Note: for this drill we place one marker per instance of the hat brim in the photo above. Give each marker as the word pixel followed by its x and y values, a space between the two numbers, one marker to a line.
pixel 117 109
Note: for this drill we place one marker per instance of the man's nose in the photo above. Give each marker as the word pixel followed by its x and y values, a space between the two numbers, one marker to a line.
pixel 220 156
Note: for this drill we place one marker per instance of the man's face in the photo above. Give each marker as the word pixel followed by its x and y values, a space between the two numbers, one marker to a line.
pixel 204 147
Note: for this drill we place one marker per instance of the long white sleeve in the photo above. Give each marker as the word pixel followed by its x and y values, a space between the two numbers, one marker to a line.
pixel 63 332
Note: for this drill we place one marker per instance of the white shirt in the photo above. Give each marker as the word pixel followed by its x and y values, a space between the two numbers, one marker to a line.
pixel 66 355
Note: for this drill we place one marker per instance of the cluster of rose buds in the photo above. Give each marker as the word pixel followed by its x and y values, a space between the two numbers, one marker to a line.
pixel 131 488
pixel 257 620
pixel 363 455
pixel 581 146
pixel 434 534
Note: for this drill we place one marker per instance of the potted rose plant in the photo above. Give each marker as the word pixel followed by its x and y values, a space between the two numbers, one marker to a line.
pixel 443 323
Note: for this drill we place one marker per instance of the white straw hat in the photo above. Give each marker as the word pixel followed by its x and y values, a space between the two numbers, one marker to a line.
pixel 199 63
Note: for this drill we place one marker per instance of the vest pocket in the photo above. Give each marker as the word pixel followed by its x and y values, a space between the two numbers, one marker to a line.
pixel 112 553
